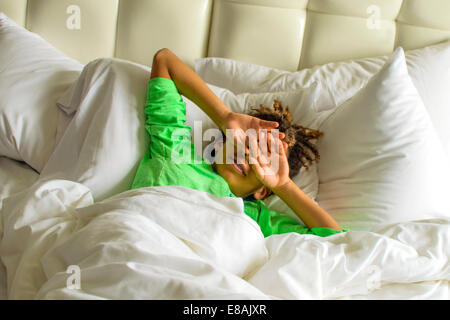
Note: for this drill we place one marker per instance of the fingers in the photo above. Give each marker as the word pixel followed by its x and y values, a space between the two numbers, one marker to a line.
pixel 261 144
pixel 254 151
pixel 264 124
pixel 283 147
pixel 254 164
pixel 258 171
pixel 268 124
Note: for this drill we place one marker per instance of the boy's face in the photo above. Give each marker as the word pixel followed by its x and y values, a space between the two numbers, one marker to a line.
pixel 239 175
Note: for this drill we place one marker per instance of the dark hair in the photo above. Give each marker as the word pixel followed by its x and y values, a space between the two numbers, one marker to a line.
pixel 301 151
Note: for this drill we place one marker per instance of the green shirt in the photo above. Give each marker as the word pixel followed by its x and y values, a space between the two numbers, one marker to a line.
pixel 171 160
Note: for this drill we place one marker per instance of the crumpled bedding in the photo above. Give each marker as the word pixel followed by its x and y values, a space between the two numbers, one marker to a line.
pixel 176 243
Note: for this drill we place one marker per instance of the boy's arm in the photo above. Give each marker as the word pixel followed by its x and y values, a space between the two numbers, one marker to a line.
pixel 167 65
pixel 279 182
pixel 304 207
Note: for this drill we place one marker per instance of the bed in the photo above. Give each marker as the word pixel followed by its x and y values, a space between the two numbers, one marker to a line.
pixel 374 76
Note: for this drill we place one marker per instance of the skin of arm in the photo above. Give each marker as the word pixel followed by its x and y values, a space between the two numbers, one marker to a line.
pixel 304 207
pixel 167 65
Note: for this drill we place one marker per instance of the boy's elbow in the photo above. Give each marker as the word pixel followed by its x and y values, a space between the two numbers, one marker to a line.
pixel 161 54
pixel 161 64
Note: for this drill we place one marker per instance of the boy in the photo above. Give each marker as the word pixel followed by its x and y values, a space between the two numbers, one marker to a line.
pixel 254 178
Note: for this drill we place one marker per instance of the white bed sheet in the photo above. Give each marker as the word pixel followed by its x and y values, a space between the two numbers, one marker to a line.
pixel 15 176
pixel 176 243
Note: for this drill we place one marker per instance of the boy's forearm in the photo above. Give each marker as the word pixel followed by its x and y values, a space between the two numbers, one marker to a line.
pixel 305 208
pixel 192 86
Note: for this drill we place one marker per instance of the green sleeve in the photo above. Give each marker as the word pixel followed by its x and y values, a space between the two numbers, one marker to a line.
pixel 272 222
pixel 165 113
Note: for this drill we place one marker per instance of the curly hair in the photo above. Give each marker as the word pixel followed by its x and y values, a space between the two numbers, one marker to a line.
pixel 301 151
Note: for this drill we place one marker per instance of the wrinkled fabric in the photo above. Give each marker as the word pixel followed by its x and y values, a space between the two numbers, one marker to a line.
pixel 172 242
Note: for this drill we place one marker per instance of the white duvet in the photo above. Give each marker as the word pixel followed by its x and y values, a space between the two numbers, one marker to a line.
pixel 178 243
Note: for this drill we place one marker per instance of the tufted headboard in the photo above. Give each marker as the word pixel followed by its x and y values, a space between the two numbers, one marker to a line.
pixel 285 34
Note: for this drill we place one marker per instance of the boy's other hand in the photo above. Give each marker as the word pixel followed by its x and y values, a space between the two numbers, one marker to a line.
pixel 240 123
pixel 272 175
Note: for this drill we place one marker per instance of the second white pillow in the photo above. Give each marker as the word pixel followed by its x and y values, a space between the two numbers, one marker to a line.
pixel 381 159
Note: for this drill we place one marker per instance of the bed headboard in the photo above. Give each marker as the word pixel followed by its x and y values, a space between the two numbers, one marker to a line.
pixel 285 34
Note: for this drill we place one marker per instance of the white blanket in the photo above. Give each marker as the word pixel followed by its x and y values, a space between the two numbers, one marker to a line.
pixel 14 176
pixel 178 243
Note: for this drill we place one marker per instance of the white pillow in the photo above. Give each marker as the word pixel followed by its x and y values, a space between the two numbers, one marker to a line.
pixel 428 67
pixel 381 160
pixel 106 139
pixel 33 74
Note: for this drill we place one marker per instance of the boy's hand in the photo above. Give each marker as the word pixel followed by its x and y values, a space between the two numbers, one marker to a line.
pixel 273 175
pixel 240 123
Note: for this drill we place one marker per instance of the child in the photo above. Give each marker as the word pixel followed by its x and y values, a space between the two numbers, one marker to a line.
pixel 255 179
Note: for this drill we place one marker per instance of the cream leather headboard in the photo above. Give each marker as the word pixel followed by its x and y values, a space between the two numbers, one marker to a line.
pixel 285 34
